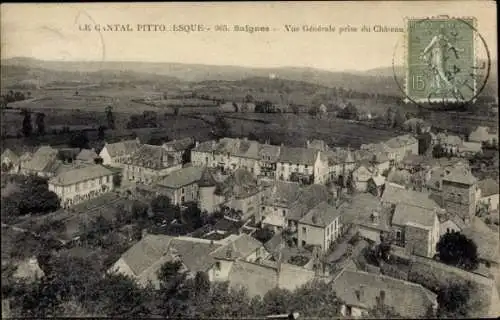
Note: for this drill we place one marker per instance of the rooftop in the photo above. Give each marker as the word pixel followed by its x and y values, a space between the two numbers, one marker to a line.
pixel 395 195
pixel 487 240
pixel 408 214
pixel 152 157
pixel 241 247
pixel 357 288
pixel 179 145
pixel 488 187
pixel 303 156
pixel 122 148
pixel 283 193
pixel 74 176
pixel 182 177
pixel 322 215
pixel 460 174
pixel 240 184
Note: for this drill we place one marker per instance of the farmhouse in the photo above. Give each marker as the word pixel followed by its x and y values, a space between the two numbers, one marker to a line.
pixel 43 162
pixel 77 185
pixel 115 154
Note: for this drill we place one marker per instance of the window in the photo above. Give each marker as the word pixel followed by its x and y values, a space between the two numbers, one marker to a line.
pixel 182 190
pixel 398 235
pixel 448 230
pixel 263 208
pixel 304 230
pixel 217 266
pixel 182 199
pixel 303 243
pixel 284 212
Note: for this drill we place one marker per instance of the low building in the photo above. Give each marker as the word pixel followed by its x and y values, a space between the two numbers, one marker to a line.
pixel 320 226
pixel 143 260
pixel 149 164
pixel 451 223
pixel 417 229
pixel 115 154
pixel 489 194
pixel 361 292
pixel 81 184
pixel 87 156
pixel 44 163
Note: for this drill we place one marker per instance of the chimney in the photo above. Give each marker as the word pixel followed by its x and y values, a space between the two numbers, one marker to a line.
pixel 138 140
pixel 196 144
pixel 144 233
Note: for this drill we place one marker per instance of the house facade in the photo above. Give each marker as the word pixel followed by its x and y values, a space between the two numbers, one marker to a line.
pixel 319 227
pixel 400 146
pixel 81 184
pixel 181 186
pixel 459 193
pixel 417 229
pixel 302 165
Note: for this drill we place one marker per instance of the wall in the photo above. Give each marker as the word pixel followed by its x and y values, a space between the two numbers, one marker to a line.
pixel 147 175
pixel 249 206
pixel 284 170
pixel 369 233
pixel 221 274
pixel 448 224
pixel 418 241
pixel 190 193
pixel 459 199
pixel 275 215
pixel 208 201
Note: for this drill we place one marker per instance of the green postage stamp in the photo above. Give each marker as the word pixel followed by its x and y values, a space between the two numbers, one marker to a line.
pixel 441 60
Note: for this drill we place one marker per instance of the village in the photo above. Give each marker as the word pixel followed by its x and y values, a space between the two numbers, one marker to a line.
pixel 377 225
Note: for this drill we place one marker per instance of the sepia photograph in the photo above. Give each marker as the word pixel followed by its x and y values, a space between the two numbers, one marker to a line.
pixel 250 160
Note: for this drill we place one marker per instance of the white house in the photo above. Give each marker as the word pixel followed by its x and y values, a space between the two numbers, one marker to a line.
pixel 114 154
pixel 77 185
pixel 320 226
pixel 303 165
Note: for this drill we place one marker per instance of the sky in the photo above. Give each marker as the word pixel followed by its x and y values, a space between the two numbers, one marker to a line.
pixel 51 32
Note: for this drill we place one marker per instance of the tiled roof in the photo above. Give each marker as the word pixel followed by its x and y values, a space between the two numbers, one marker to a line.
pixel 42 159
pixel 361 208
pixel 240 184
pixel 207 146
pixel 179 145
pixel 401 177
pixel 182 177
pixel 80 174
pixel 241 247
pixel 378 180
pixel 405 214
pixel 271 151
pixel 401 141
pixel 146 252
pixel 122 148
pixel 488 187
pixel 317 144
pixel 298 155
pixel 409 300
pixel 228 145
pixel 87 155
pixel 322 215
pixel 487 240
pixel 284 193
pixel 26 156
pixel 395 195
pixel 453 218
pixel 460 174
pixel 308 198
pixel 194 254
pixel 9 154
pixel 362 173
pixel 152 157
pixel 206 179
pixel 258 279
pixel 247 149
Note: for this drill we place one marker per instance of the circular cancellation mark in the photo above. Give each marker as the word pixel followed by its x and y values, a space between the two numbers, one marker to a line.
pixel 441 69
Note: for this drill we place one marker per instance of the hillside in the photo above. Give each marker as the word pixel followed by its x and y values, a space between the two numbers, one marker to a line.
pixel 380 80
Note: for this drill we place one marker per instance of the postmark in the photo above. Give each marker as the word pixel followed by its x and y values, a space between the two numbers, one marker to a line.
pixel 441 64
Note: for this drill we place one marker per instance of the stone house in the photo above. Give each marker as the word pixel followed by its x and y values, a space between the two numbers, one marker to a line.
pixel 302 165
pixel 459 192
pixel 277 205
pixel 417 229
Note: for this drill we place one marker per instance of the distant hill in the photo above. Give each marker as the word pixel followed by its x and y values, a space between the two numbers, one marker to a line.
pixel 378 80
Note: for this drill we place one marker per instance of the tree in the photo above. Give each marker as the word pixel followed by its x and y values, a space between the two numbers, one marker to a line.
pixel 191 216
pixel 221 128
pixel 162 208
pixel 172 297
pixel 349 112
pixel 176 111
pixel 295 109
pixel 117 180
pixel 314 110
pixel 453 300
pixel 381 310
pixel 101 131
pixel 79 140
pixel 40 123
pixel 456 249
pixel 110 117
pixel 264 234
pixel 316 299
pixel 27 126
pixel 139 210
pixel 277 301
pixel 249 98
